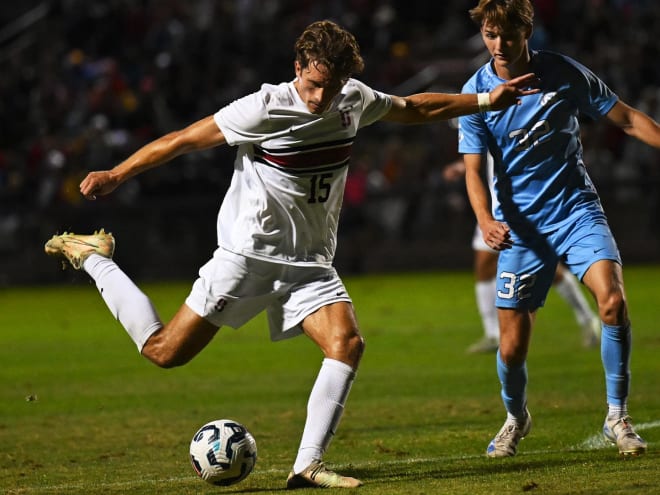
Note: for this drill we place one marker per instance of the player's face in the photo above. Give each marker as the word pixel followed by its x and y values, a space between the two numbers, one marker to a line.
pixel 316 86
pixel 507 47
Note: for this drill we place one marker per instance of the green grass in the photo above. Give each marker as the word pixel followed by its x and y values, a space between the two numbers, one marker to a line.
pixel 82 413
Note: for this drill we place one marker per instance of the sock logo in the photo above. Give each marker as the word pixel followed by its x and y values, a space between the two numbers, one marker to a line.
pixel 220 305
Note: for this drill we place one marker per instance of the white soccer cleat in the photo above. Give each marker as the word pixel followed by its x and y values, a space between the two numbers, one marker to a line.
pixel 77 248
pixel 506 441
pixel 620 432
pixel 486 345
pixel 316 475
pixel 591 332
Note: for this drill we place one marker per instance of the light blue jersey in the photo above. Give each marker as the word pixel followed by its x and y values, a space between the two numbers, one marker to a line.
pixel 541 186
pixel 539 177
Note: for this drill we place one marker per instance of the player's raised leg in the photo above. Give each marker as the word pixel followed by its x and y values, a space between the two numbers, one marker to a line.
pixel 166 345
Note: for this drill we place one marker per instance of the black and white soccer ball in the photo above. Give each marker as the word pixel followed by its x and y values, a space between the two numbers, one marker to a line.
pixel 223 452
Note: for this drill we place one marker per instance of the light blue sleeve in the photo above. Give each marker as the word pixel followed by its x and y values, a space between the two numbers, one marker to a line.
pixel 471 128
pixel 595 98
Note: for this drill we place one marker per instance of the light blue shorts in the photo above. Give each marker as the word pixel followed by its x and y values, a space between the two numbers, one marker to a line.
pixel 526 271
pixel 232 289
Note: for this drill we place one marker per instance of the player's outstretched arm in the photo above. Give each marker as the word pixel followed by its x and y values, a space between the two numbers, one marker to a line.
pixel 635 123
pixel 200 135
pixel 429 107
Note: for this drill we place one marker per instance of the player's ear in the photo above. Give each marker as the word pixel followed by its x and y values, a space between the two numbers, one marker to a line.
pixel 528 32
pixel 298 68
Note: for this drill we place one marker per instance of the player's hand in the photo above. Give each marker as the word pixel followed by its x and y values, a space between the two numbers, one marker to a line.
pixel 497 235
pixel 98 184
pixel 510 92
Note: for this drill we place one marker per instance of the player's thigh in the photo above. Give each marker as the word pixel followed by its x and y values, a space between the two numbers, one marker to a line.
pixel 187 330
pixel 604 279
pixel 524 275
pixel 179 340
pixel 308 290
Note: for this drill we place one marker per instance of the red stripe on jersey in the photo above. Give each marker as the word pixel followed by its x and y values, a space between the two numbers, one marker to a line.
pixel 307 159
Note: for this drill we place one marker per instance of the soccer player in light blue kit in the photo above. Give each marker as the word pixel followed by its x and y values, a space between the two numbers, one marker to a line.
pixel 548 208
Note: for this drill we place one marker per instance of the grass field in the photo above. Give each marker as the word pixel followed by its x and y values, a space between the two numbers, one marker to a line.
pixel 82 413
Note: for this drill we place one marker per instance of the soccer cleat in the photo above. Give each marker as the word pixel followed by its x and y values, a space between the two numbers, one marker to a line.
pixel 620 432
pixel 506 441
pixel 484 346
pixel 77 248
pixel 591 332
pixel 316 475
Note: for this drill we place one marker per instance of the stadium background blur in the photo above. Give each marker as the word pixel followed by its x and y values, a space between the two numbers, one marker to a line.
pixel 83 83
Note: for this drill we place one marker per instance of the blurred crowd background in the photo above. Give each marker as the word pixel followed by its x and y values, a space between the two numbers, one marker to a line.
pixel 83 83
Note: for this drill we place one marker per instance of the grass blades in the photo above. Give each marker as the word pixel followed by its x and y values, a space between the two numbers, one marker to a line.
pixel 81 412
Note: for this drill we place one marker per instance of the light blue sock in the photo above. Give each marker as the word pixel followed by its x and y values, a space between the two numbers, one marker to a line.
pixel 615 349
pixel 514 386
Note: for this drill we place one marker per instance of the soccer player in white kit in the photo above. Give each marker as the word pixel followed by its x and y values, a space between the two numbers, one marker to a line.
pixel 277 225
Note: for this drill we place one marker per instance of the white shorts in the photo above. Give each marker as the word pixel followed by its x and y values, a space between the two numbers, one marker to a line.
pixel 232 289
pixel 478 243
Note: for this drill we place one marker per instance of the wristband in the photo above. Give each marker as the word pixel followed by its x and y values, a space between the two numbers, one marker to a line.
pixel 483 100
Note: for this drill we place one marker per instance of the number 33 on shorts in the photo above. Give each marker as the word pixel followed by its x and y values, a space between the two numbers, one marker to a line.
pixel 516 286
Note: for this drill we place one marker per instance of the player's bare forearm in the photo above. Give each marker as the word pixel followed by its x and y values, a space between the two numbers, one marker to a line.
pixel 428 107
pixel 477 191
pixel 635 123
pixel 496 234
pixel 201 135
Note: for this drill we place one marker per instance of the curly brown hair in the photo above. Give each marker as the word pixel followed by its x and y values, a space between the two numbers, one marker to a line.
pixel 509 14
pixel 328 44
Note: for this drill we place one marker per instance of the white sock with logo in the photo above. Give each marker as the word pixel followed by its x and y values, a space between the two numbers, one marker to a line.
pixel 324 410
pixel 127 303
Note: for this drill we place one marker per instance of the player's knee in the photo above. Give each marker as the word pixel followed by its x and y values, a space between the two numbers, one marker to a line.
pixel 347 348
pixel 613 309
pixel 513 355
pixel 357 345
pixel 163 356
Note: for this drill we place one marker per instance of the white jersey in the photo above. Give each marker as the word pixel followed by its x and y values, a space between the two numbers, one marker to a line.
pixel 286 193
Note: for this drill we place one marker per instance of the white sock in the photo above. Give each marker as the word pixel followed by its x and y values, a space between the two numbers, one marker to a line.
pixel 617 411
pixel 485 291
pixel 128 304
pixel 324 410
pixel 569 289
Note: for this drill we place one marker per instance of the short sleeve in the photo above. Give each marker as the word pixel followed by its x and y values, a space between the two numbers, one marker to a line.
pixel 471 128
pixel 244 120
pixel 374 104
pixel 597 98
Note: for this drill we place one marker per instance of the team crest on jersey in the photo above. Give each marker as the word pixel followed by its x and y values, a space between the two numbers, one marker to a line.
pixel 548 97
